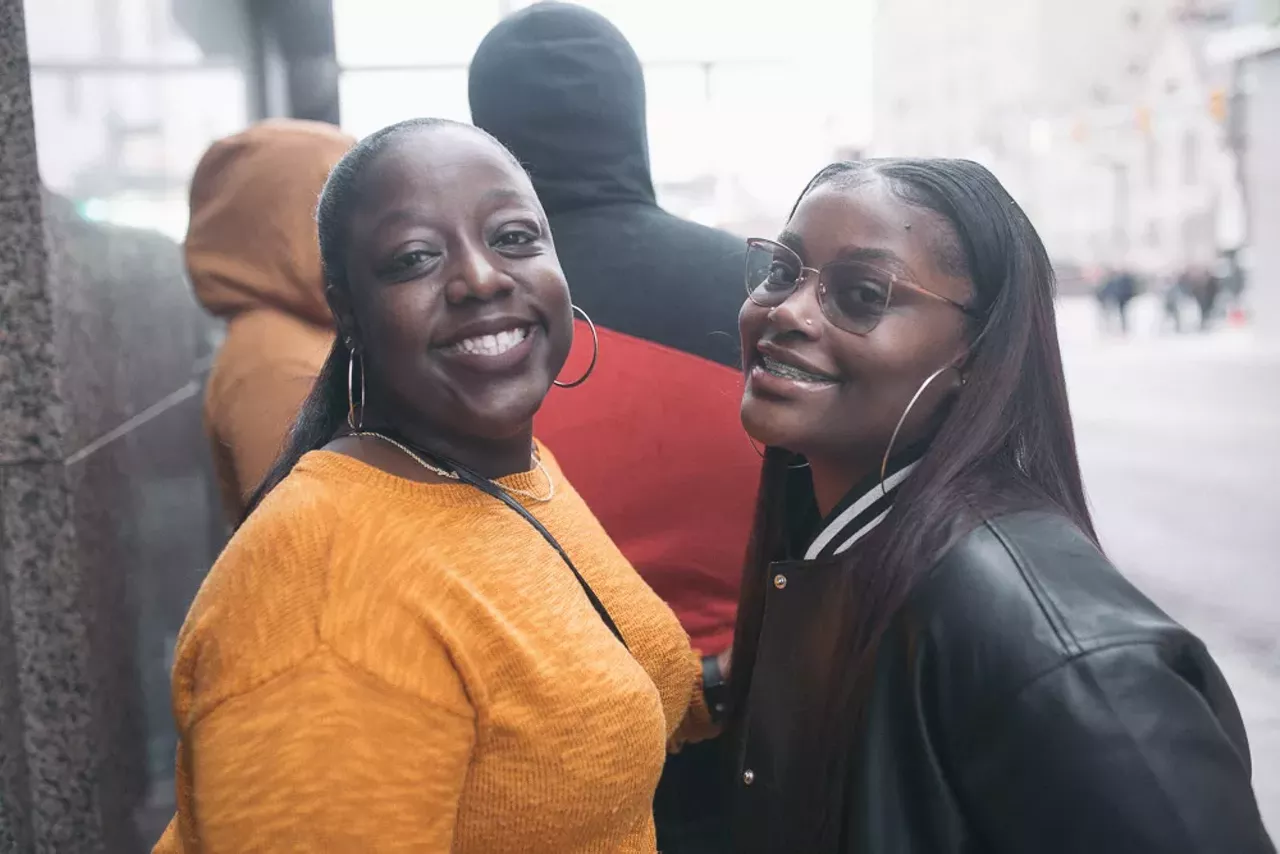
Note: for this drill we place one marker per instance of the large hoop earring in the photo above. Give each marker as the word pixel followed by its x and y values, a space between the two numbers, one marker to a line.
pixel 353 422
pixel 760 453
pixel 884 462
pixel 595 352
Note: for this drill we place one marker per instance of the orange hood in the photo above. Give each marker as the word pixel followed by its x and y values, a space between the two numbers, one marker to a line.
pixel 251 242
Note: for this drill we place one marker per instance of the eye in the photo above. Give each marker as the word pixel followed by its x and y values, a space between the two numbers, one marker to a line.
pixel 862 293
pixel 857 291
pixel 408 263
pixel 781 274
pixel 411 260
pixel 516 239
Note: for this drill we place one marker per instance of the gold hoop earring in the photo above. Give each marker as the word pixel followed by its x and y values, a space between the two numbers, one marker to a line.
pixel 352 421
pixel 884 462
pixel 760 453
pixel 595 352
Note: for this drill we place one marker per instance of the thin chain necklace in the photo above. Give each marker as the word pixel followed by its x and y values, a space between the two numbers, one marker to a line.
pixel 453 475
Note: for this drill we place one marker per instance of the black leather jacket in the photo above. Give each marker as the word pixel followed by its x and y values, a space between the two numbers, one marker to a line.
pixel 1026 699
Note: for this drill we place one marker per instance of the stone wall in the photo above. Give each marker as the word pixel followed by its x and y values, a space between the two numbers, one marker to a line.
pixel 108 515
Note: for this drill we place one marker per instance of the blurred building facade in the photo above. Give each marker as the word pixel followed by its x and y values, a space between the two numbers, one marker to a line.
pixel 1102 118
pixel 1249 51
pixel 747 99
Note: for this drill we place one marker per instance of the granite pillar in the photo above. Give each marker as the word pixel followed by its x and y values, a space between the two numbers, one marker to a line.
pixel 108 513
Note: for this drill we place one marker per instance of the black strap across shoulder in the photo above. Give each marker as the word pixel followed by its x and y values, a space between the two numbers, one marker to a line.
pixel 488 487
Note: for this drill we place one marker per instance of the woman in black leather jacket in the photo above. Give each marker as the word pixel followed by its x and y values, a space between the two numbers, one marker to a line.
pixel 933 653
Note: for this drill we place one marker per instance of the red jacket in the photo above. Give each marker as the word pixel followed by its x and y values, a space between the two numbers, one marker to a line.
pixel 654 444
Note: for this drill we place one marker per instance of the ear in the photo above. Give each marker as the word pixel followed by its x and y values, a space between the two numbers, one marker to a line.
pixel 965 352
pixel 960 361
pixel 343 317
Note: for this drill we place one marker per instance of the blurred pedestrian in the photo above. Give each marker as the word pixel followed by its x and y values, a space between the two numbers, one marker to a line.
pixel 420 639
pixel 562 88
pixel 1204 287
pixel 1118 289
pixel 1171 302
pixel 934 654
pixel 253 259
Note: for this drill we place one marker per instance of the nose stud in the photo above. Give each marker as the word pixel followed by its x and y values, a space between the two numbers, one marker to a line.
pixel 808 321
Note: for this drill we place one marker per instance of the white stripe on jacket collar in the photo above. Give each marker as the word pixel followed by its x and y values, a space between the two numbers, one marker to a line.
pixel 859 512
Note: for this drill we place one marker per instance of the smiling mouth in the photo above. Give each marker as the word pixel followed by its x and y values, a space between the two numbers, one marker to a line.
pixel 791 372
pixel 490 345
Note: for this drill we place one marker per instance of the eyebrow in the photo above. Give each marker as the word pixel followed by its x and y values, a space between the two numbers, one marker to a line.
pixel 792 241
pixel 503 194
pixel 396 215
pixel 497 195
pixel 865 254
pixel 870 255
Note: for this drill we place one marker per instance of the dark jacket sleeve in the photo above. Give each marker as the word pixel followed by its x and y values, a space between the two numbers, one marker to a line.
pixel 1131 749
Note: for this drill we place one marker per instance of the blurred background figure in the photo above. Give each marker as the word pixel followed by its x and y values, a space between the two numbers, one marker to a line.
pixel 560 86
pixel 1117 290
pixel 1172 297
pixel 254 261
pixel 1203 287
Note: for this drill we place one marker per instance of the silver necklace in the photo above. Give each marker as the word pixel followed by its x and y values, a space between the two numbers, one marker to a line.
pixel 453 475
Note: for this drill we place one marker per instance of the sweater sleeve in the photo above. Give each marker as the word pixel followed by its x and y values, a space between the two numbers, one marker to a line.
pixel 697 724
pixel 326 757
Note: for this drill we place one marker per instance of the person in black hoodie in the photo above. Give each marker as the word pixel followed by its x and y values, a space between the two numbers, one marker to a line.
pixel 564 91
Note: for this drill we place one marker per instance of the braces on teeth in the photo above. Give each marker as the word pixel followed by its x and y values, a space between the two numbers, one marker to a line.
pixel 789 372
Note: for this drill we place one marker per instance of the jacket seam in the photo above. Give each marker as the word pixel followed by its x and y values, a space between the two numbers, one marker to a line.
pixel 1106 696
pixel 1011 697
pixel 1053 616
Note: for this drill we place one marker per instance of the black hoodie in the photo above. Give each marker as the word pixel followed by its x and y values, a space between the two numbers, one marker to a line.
pixel 562 88
pixel 673 477
pixel 653 440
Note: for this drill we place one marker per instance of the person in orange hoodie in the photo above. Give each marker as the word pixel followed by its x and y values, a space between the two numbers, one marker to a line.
pixel 253 258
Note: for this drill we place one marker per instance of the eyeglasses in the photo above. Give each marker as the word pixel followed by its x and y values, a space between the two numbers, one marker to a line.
pixel 853 295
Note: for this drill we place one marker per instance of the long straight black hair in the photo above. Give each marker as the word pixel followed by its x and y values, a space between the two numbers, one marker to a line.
pixel 1006 442
pixel 325 409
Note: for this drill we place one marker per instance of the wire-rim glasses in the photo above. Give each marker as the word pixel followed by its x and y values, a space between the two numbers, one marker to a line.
pixel 853 295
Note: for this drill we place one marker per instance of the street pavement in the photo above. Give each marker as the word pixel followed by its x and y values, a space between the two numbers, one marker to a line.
pixel 1179 440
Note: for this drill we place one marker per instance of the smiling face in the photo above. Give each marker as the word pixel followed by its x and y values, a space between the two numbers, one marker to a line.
pixel 818 390
pixel 454 298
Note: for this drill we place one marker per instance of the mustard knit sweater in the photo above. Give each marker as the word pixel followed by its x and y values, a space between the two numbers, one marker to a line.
pixel 381 665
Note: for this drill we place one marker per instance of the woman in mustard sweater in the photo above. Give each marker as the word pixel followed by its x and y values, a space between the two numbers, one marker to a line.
pixel 420 639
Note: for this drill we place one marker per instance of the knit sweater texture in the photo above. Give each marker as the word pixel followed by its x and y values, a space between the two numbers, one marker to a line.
pixel 376 664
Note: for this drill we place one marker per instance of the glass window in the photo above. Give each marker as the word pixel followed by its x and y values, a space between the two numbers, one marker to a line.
pixel 376 98
pixel 745 100
pixel 679 145
pixel 127 99
pixel 382 33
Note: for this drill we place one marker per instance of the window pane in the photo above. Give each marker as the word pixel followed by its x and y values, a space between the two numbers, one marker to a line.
pixel 679 147
pixel 374 99
pixel 134 31
pixel 714 29
pixel 772 134
pixel 124 145
pixel 410 32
